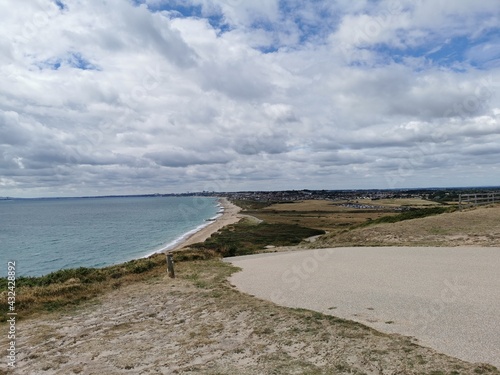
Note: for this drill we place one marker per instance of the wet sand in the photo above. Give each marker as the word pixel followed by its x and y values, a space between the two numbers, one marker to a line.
pixel 229 216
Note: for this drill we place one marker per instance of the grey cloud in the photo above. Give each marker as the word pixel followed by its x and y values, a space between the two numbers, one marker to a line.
pixel 330 158
pixel 483 126
pixel 183 158
pixel 488 149
pixel 342 158
pixel 255 144
pixel 154 31
pixel 7 162
pixel 238 80
pixel 201 112
pixel 50 155
pixel 396 91
pixel 281 113
pixel 11 131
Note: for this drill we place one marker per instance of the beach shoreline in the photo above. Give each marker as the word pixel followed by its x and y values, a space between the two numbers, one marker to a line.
pixel 230 215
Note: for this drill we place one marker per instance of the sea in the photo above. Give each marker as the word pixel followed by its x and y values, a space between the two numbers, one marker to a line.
pixel 46 235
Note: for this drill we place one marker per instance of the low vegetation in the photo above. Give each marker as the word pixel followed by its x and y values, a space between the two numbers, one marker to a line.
pixel 435 226
pixel 251 205
pixel 70 287
pixel 414 213
pixel 247 237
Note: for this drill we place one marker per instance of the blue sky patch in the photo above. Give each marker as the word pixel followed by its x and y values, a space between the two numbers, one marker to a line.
pixel 448 53
pixel 319 27
pixel 268 49
pixel 311 29
pixel 51 64
pixel 60 5
pixel 218 22
pixel 441 54
pixel 76 60
pixel 180 7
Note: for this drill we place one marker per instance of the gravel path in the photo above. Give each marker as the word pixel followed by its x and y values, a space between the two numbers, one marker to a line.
pixel 447 298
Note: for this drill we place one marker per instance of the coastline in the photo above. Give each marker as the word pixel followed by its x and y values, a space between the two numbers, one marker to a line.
pixel 230 215
pixel 178 317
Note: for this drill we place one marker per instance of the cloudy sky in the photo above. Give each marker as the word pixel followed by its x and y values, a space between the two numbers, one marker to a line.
pixel 128 96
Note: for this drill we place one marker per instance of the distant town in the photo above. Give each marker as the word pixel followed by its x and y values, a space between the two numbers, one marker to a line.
pixel 433 194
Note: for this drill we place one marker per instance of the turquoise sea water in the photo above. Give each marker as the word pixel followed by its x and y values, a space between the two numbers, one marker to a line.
pixel 45 235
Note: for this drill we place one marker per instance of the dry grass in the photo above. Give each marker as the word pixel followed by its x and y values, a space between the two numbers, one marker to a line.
pixel 199 324
pixel 413 202
pixel 336 206
pixel 306 206
pixel 319 214
pixel 54 291
pixel 477 226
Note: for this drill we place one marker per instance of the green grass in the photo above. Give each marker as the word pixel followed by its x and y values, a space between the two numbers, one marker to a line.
pixel 246 238
pixel 83 275
pixel 415 213
pixel 72 286
pixel 252 205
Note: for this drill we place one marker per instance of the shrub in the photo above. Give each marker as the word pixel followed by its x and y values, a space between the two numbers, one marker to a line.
pixel 243 239
pixel 414 213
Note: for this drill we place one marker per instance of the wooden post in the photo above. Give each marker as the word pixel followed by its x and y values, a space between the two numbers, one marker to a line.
pixel 170 266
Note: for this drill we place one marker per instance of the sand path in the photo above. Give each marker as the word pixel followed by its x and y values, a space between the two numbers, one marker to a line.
pixel 448 298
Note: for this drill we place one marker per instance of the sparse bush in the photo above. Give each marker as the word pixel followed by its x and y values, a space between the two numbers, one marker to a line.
pixel 414 213
pixel 243 238
pixel 71 286
pixel 194 254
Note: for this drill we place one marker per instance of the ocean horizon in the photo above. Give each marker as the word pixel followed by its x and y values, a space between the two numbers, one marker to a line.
pixel 45 235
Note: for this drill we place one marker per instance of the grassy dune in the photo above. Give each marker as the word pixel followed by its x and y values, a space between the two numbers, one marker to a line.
pixel 71 287
pixel 443 227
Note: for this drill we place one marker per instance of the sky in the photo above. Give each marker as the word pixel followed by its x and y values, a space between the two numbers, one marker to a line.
pixel 102 97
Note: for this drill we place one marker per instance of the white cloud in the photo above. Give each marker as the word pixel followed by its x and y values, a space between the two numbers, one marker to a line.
pixel 110 97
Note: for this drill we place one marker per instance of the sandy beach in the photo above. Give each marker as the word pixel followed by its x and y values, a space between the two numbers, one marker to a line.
pixel 229 216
